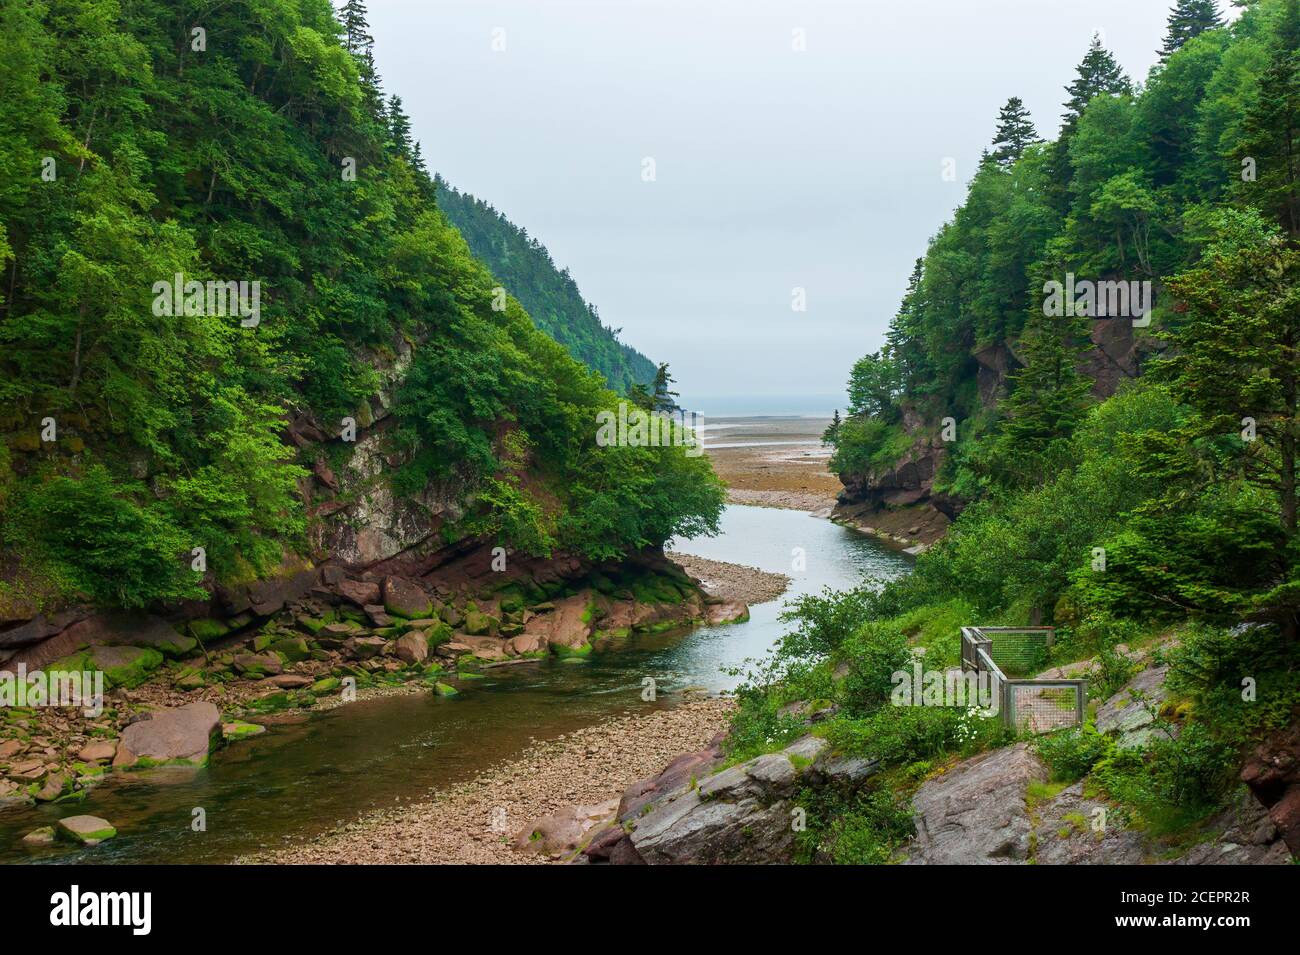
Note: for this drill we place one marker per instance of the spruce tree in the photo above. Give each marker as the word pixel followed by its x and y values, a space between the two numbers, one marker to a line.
pixel 1098 73
pixel 1015 134
pixel 399 128
pixel 1048 395
pixel 663 396
pixel 356 29
pixel 1189 18
pixel 1270 142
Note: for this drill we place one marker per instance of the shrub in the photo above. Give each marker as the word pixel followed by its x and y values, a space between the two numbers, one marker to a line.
pixel 1071 753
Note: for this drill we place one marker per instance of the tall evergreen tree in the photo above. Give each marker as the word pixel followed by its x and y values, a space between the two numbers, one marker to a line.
pixel 1189 18
pixel 1271 129
pixel 399 128
pixel 663 394
pixel 356 29
pixel 1097 73
pixel 1015 133
pixel 1048 395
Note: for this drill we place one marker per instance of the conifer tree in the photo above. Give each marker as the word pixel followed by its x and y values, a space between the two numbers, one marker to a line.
pixel 1015 133
pixel 1188 19
pixel 1096 74
pixel 1270 142
pixel 399 128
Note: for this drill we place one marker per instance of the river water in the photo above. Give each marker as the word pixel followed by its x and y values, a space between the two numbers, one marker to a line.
pixel 311 773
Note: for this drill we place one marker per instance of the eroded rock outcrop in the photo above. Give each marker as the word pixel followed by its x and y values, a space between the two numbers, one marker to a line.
pixel 975 813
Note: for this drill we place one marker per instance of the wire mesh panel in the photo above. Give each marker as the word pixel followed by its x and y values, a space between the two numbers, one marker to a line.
pixel 1040 706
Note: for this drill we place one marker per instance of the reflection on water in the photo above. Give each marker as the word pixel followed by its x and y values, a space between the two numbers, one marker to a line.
pixel 311 773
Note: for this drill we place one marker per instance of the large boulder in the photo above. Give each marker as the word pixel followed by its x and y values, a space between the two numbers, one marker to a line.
pixel 743 814
pixel 975 814
pixel 404 597
pixel 411 647
pixel 173 736
pixel 363 593
pixel 125 666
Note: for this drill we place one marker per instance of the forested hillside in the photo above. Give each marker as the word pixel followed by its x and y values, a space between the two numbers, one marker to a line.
pixel 152 152
pixel 1127 476
pixel 550 295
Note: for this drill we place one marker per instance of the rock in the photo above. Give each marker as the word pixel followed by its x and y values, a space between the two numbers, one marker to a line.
pixel 405 598
pixel 43 836
pixel 451 616
pixel 565 629
pixel 126 666
pixel 10 748
pixel 442 689
pixel 377 617
pixel 1273 774
pixel 740 815
pixel 290 681
pixel 411 647
pixel 86 830
pixel 564 831
pixel 522 644
pixel 363 648
pixel 1129 712
pixel 974 814
pixel 257 665
pixel 294 649
pixel 325 685
pixel 729 611
pixel 182 736
pixel 52 788
pixel 478 623
pixel 363 593
pixel 97 751
pixel 238 729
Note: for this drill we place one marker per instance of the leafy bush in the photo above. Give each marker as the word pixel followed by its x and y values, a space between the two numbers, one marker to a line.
pixel 103 543
pixel 1071 753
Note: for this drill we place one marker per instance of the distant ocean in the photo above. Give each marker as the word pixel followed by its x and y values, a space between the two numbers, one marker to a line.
pixel 749 406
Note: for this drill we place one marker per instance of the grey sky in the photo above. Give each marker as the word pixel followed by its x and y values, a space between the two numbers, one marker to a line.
pixel 775 169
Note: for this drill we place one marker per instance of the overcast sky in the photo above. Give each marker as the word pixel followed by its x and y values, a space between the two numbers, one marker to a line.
pixel 774 168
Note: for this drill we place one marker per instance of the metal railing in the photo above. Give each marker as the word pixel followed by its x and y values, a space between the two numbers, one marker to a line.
pixel 1035 706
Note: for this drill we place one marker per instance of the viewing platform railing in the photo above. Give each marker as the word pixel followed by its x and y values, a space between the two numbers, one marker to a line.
pixel 1032 705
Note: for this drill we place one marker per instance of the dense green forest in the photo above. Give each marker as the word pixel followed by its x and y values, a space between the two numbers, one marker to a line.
pixel 1161 504
pixel 150 142
pixel 549 294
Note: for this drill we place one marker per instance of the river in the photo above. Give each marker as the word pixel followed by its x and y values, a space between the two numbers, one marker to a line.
pixel 313 772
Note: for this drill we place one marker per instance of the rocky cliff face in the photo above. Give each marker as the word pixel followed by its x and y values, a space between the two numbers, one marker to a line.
pixel 1116 354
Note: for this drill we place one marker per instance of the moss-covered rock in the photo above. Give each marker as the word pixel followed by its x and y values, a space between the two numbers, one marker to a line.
pixel 444 689
pixel 125 666
pixel 292 648
pixel 238 729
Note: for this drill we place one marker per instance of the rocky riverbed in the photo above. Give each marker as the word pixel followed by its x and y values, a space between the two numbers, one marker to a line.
pixel 733 582
pixel 508 814
pixel 334 636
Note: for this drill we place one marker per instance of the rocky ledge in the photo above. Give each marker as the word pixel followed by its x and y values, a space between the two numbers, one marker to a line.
pixel 313 638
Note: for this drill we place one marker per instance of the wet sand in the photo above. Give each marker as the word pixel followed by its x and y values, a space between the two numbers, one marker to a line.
pixel 774 462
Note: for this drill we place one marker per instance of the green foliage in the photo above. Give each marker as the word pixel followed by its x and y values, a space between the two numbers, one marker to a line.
pixel 107 540
pixel 232 165
pixel 1071 753
pixel 866 445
